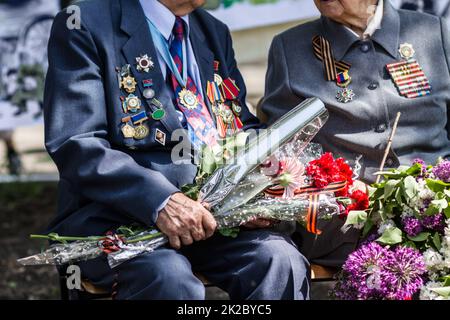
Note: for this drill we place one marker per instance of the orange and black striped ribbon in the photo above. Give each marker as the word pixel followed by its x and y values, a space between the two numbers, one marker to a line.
pixel 314 194
pixel 311 218
pixel 332 187
pixel 322 50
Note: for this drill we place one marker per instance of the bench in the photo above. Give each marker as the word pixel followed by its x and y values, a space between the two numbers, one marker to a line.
pixel 91 292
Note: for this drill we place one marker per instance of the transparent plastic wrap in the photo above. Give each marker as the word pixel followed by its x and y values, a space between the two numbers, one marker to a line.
pixel 64 253
pixel 291 134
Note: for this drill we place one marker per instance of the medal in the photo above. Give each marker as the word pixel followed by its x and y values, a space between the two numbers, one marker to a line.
pixel 236 108
pixel 147 83
pixel 158 114
pixel 128 83
pixel 156 103
pixel 144 63
pixel 406 51
pixel 345 95
pixel 160 137
pixel 149 93
pixel 128 131
pixel 141 131
pixel 139 118
pixel 188 99
pixel 132 103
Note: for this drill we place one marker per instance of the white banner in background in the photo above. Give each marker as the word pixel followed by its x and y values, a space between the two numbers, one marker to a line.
pixel 246 14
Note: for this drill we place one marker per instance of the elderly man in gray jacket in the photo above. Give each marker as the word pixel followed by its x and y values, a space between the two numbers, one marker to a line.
pixel 366 61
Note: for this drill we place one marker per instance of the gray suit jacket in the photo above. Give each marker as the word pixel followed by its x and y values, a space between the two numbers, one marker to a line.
pixel 362 126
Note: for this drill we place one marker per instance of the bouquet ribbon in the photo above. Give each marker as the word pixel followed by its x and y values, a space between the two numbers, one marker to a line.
pixel 313 193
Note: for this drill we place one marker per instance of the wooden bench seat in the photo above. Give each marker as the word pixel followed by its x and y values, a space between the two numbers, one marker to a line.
pixel 318 273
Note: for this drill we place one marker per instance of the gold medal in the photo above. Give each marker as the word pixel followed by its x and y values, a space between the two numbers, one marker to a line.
pixel 129 84
pixel 128 131
pixel 132 103
pixel 141 131
pixel 188 99
pixel 406 51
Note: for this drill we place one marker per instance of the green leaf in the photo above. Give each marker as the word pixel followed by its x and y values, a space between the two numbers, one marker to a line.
pixel 437 241
pixel 208 161
pixel 446 281
pixel 432 210
pixel 444 291
pixel 229 232
pixel 420 237
pixel 391 236
pixel 398 196
pixel 413 170
pixel 390 187
pixel 367 227
pixel 440 204
pixel 447 212
pixel 356 218
pixel 437 185
pixel 410 185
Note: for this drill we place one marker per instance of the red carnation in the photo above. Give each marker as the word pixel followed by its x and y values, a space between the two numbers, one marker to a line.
pixel 360 201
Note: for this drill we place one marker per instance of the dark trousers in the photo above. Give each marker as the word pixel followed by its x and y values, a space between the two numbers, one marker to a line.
pixel 258 264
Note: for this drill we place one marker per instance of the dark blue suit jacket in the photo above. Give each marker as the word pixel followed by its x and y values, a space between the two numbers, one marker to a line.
pixel 105 179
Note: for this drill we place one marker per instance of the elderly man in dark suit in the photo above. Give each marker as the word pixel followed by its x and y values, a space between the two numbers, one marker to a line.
pixel 366 61
pixel 118 89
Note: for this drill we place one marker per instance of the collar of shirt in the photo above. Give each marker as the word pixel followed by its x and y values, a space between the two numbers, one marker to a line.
pixel 161 17
pixel 386 34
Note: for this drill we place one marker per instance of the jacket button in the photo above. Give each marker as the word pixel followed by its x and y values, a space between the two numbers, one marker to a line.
pixel 381 128
pixel 373 86
pixel 390 162
pixel 365 47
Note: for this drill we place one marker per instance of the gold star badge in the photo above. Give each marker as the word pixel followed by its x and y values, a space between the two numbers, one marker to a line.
pixel 129 84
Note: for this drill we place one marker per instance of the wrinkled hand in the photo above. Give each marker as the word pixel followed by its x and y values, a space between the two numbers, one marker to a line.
pixel 259 223
pixel 185 221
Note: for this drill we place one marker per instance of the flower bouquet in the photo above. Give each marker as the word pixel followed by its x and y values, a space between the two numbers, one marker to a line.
pixel 276 174
pixel 406 249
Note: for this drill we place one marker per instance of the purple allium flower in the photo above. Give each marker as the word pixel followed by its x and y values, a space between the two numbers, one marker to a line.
pixel 442 171
pixel 376 272
pixel 405 273
pixel 361 270
pixel 434 222
pixel 412 226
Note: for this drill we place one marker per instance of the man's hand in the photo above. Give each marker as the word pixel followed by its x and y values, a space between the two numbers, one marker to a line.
pixel 184 220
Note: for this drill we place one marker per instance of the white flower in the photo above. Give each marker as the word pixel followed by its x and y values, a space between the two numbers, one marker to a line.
pixel 427 294
pixel 388 224
pixel 433 260
pixel 407 211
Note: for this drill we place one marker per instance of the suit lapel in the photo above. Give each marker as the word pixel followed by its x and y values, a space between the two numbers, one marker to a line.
pixel 140 42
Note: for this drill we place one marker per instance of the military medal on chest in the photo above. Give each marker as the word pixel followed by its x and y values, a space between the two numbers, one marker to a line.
pixel 344 95
pixel 407 74
pixel 223 96
pixel 188 99
pixel 337 71
pixel 144 63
